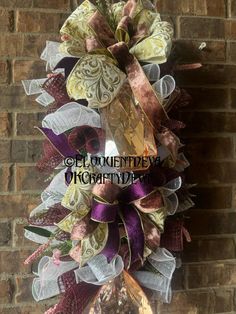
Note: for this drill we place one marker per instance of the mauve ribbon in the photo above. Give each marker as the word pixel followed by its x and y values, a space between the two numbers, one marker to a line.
pixel 76 298
pixel 60 142
pixel 138 81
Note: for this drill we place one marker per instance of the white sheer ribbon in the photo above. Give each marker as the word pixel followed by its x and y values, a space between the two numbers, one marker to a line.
pixel 164 263
pixel 164 86
pixel 39 239
pixel 46 285
pixel 170 196
pixel 99 271
pixel 69 116
pixel 52 55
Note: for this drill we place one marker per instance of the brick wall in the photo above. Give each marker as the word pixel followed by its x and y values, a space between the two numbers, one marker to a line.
pixel 207 281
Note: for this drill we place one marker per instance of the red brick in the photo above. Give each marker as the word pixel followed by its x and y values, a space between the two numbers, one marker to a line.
pixel 178 281
pixel 194 7
pixel 230 29
pixel 232 51
pixel 6 172
pixel 213 148
pixel 18 205
pixel 209 250
pixel 5 233
pixel 213 197
pixel 6 291
pixel 29 178
pixel 208 98
pixel 212 172
pixel 16 3
pixel 224 300
pixel 23 290
pixel 23 70
pixel 233 8
pixel 19 239
pixel 4 72
pixel 192 27
pixel 209 122
pixel 5 151
pixel 211 275
pixel 6 20
pixel 11 44
pixel 187 51
pixel 26 123
pixel 24 45
pixel 34 151
pixel 42 22
pixel 5 126
pixel 205 223
pixel 53 4
pixel 189 302
pixel 12 262
pixel 33 44
pixel 18 151
pixel 209 74
pixel 14 98
pixel 233 98
pixel 24 151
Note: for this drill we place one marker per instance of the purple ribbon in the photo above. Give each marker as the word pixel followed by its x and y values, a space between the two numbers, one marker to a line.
pixel 108 213
pixel 104 212
pixel 113 242
pixel 60 142
pixel 134 232
pixel 135 191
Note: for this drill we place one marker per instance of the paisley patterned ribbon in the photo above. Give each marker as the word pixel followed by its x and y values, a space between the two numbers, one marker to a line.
pixel 139 83
pixel 108 57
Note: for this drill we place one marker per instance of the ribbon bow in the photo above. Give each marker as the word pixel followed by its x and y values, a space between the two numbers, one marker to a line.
pixel 110 56
pixel 97 225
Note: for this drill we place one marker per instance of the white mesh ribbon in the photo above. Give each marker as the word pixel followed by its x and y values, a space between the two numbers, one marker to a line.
pixel 39 239
pixel 45 99
pixel 46 285
pixel 52 55
pixel 182 163
pixel 164 263
pixel 99 271
pixel 53 194
pixel 69 116
pixel 56 189
pixel 171 198
pixel 164 86
pixel 33 87
pixel 152 72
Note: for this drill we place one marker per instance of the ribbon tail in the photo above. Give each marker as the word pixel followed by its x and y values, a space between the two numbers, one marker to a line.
pixel 142 89
pixel 135 236
pixel 113 242
pixel 76 299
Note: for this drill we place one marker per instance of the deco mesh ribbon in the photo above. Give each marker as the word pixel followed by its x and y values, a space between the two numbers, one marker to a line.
pixel 109 96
